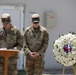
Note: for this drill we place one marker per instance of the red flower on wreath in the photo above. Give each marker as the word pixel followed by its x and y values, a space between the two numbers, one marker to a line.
pixel 67 48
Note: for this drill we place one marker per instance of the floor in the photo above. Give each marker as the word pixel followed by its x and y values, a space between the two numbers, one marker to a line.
pixel 57 74
pixel 51 72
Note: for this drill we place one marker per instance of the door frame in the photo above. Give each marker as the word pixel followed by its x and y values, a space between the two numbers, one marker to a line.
pixel 16 6
pixel 22 7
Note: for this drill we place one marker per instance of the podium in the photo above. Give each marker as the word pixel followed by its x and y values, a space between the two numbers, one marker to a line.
pixel 6 54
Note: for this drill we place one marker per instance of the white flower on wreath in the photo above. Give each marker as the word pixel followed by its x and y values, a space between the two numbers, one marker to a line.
pixel 65 49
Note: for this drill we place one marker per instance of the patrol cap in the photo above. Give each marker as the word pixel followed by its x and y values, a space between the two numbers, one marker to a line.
pixel 5 18
pixel 35 18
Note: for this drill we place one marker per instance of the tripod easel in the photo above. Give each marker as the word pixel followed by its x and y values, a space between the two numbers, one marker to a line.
pixel 73 67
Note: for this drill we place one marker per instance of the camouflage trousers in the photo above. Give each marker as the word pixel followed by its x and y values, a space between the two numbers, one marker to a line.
pixel 12 66
pixel 34 66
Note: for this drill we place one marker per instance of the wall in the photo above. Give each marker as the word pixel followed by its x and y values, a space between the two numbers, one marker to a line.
pixel 66 22
pixel 12 1
pixel 65 10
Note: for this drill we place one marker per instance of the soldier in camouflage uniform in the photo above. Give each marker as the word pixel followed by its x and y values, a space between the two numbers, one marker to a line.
pixel 10 37
pixel 36 40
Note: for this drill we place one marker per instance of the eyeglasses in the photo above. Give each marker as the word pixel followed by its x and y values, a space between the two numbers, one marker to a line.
pixel 35 22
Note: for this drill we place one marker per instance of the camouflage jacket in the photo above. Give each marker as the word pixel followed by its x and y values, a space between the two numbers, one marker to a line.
pixel 11 38
pixel 35 40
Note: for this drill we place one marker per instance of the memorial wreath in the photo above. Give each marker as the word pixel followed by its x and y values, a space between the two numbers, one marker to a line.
pixel 65 49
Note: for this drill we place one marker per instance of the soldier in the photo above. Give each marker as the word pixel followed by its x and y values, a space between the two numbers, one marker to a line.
pixel 10 37
pixel 36 40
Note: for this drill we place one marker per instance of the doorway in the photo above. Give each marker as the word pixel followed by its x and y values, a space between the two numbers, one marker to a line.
pixel 16 12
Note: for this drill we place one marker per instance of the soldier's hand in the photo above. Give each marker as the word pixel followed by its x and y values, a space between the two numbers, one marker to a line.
pixel 32 54
pixel 36 54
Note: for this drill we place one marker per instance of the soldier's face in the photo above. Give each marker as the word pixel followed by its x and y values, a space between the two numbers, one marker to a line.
pixel 6 26
pixel 36 24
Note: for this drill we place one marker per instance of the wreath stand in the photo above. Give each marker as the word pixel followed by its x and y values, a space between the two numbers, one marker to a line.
pixel 73 67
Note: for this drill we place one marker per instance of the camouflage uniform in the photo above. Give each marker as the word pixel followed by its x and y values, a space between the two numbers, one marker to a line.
pixel 9 39
pixel 36 40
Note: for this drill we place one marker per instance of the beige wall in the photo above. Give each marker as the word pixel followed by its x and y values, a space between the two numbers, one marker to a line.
pixel 66 20
pixel 12 1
